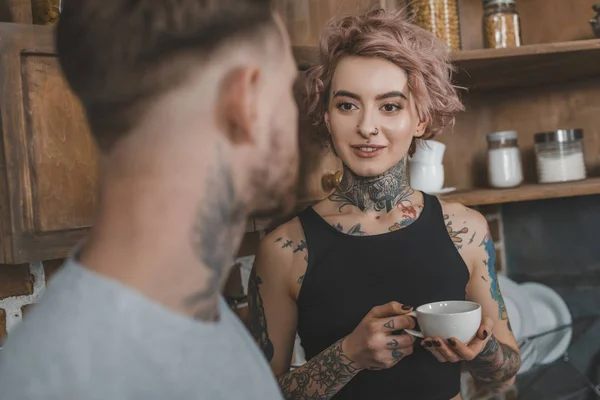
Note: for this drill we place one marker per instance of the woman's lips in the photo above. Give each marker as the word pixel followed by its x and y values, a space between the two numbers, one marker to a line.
pixel 367 150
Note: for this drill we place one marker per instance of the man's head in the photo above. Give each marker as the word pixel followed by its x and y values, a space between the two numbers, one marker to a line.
pixel 203 66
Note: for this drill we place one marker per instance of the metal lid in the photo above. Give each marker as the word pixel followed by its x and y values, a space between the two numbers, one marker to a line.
pixel 502 135
pixel 489 2
pixel 559 135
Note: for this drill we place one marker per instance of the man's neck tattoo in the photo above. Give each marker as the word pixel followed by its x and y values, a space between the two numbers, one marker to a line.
pixel 215 238
pixel 382 192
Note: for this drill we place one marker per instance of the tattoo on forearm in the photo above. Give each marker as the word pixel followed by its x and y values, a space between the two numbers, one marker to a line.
pixel 382 192
pixel 495 365
pixel 490 263
pixel 257 318
pixel 321 377
pixel 211 238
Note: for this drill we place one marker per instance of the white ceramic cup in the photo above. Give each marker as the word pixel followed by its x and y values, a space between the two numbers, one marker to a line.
pixel 448 319
pixel 428 178
pixel 429 152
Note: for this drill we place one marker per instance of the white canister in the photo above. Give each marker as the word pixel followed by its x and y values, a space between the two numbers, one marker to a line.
pixel 559 156
pixel 504 160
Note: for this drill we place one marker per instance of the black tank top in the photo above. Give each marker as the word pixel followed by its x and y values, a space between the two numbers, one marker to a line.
pixel 348 275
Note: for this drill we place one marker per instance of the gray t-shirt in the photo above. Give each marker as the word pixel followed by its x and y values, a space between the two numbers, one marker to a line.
pixel 94 338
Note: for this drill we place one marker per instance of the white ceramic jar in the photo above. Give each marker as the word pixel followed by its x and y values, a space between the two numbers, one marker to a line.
pixel 426 170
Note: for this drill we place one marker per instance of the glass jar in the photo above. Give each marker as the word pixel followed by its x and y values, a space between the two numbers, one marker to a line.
pixel 559 156
pixel 46 12
pixel 504 160
pixel 439 17
pixel 501 24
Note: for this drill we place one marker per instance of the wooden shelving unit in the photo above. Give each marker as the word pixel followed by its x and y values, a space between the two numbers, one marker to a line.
pixel 476 197
pixel 529 65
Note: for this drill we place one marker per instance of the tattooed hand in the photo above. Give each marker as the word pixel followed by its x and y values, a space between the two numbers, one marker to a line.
pixel 489 361
pixel 373 344
pixel 454 351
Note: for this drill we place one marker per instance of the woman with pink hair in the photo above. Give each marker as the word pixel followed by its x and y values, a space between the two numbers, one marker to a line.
pixel 345 272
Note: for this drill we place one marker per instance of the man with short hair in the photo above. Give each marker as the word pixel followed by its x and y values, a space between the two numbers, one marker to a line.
pixel 191 104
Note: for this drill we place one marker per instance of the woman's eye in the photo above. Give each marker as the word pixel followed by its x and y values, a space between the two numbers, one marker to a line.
pixel 391 107
pixel 345 106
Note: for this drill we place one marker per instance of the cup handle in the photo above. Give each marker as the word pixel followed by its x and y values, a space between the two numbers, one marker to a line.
pixel 412 331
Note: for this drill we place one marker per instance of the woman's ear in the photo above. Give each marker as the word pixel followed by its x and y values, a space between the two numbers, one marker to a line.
pixel 421 128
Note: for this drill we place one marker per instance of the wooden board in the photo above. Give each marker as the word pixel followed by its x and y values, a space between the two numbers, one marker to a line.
pixel 49 159
pixel 523 66
pixel 64 155
pixel 18 11
pixel 305 19
pixel 525 193
pixel 527 66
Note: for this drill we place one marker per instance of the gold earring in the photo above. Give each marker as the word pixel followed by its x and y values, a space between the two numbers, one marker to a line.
pixel 332 181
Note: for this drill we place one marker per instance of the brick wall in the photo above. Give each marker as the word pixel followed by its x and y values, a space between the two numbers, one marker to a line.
pixel 493 215
pixel 20 287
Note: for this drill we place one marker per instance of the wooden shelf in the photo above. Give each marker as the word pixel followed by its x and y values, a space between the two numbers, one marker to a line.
pixel 514 67
pixel 526 192
pixel 528 65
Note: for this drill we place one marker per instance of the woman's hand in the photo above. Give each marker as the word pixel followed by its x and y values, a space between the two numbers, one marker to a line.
pixel 374 343
pixel 454 351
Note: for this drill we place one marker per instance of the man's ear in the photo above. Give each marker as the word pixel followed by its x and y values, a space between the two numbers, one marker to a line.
pixel 237 104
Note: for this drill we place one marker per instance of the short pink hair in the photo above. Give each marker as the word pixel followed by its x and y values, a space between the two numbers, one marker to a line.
pixel 388 35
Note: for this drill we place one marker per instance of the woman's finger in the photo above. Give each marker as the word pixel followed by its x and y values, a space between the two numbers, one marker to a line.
pixel 428 344
pixel 446 351
pixel 399 341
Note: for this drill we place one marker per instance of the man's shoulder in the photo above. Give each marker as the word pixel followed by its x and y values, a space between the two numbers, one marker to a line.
pixel 90 338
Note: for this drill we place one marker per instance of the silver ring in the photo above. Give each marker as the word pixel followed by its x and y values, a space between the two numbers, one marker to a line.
pixel 376 132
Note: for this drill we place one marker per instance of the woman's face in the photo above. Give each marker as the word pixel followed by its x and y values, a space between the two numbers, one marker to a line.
pixel 371 116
